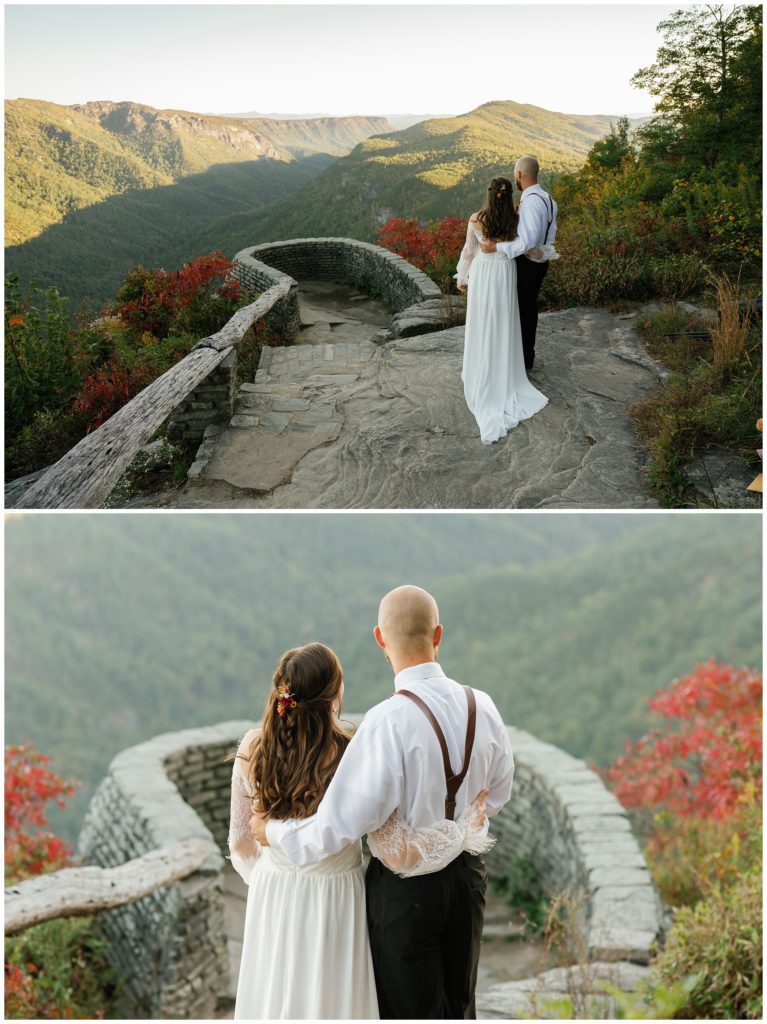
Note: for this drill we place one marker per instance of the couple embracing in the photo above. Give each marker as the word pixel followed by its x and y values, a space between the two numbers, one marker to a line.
pixel 325 939
pixel 504 262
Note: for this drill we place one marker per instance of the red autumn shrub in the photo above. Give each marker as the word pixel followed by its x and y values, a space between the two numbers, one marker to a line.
pixel 30 848
pixel 708 751
pixel 433 248
pixel 161 300
pixel 103 393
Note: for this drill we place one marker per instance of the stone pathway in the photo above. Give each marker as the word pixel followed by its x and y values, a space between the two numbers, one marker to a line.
pixel 355 423
pixel 333 313
pixel 505 957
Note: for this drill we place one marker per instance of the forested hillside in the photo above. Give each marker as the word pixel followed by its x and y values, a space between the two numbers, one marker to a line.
pixel 95 189
pixel 121 627
pixel 436 168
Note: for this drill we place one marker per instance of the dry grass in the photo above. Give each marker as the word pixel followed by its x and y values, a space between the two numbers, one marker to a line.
pixel 729 334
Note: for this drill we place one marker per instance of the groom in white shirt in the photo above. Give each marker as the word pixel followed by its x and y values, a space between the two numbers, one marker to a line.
pixel 537 226
pixel 424 930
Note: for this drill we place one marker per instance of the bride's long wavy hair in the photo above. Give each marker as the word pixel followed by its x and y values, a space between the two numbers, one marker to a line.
pixel 498 217
pixel 300 744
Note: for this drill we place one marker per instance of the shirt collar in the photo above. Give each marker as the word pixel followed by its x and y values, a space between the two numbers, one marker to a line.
pixel 530 189
pixel 418 673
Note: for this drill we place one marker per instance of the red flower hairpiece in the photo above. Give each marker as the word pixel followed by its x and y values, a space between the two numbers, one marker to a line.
pixel 286 701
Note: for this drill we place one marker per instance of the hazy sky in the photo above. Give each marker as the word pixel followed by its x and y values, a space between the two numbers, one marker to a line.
pixel 337 59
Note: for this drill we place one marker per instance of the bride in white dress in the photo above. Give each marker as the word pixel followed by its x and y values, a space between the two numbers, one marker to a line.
pixel 495 383
pixel 305 953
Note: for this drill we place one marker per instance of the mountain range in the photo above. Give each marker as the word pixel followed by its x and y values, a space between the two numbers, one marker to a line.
pixel 122 627
pixel 433 169
pixel 94 189
pixel 97 188
pixel 397 121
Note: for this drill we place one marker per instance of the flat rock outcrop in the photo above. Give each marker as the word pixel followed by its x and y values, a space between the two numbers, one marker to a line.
pixel 356 424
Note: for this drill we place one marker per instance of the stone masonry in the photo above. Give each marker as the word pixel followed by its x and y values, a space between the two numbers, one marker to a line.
pixel 209 403
pixel 404 288
pixel 368 267
pixel 171 946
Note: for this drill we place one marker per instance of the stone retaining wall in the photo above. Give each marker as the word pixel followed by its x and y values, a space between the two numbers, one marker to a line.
pixel 370 268
pixel 563 820
pixel 257 277
pixel 211 402
pixel 171 945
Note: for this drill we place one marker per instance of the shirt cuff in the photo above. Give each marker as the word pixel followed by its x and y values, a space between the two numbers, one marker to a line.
pixel 274 831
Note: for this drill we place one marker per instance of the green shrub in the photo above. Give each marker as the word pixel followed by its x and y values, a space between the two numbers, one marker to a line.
pixel 152 471
pixel 720 941
pixel 40 370
pixel 524 894
pixel 674 277
pixel 42 442
pixel 59 969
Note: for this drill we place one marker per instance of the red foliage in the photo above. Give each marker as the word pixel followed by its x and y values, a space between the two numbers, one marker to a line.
pixel 433 248
pixel 698 764
pixel 103 393
pixel 149 300
pixel 30 849
pixel 19 990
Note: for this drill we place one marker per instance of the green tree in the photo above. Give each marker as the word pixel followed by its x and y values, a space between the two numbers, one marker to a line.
pixel 615 148
pixel 706 75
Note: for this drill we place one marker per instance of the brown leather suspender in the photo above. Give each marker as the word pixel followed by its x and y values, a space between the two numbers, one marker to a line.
pixel 453 782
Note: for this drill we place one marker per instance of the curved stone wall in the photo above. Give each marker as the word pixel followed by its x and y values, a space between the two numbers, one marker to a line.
pixel 256 277
pixel 563 819
pixel 171 945
pixel 370 268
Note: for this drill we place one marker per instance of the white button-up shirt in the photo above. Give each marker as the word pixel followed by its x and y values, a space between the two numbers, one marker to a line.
pixel 534 214
pixel 394 761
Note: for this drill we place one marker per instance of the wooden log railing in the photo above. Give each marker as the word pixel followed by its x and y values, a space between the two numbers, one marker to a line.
pixel 77 892
pixel 86 475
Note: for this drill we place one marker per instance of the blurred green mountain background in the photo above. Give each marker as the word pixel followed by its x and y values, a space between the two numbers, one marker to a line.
pixel 120 627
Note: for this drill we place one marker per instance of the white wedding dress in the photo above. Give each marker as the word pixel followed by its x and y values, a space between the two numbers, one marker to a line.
pixel 495 383
pixel 305 951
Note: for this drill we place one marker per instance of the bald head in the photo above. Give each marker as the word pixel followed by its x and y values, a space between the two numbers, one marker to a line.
pixel 527 169
pixel 407 619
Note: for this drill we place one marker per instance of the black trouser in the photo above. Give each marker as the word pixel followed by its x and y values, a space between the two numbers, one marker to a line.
pixel 424 936
pixel 529 280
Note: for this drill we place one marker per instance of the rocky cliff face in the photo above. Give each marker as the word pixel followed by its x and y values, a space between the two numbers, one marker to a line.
pixel 259 137
pixel 133 119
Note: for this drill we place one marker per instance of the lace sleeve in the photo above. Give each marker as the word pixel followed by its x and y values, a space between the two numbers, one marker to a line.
pixel 468 253
pixel 420 851
pixel 244 850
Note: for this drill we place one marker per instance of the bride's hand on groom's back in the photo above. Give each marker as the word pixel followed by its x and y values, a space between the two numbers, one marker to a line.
pixel 258 828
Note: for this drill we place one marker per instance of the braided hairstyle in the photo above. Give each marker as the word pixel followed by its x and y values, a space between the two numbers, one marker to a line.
pixel 498 217
pixel 300 744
